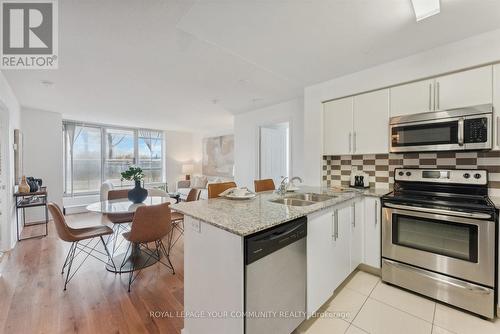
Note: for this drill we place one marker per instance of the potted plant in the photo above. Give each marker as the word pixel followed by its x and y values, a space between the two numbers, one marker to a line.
pixel 137 194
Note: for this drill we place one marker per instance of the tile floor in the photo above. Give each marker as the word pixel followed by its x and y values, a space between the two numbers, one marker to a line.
pixel 366 305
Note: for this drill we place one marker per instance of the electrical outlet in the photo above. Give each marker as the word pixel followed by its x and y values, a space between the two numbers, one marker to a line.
pixel 196 225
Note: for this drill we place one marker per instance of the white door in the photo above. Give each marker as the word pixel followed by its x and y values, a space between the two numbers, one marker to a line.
pixel 341 245
pixel 337 126
pixel 464 89
pixel 357 233
pixel 274 152
pixel 412 98
pixel 320 269
pixel 372 231
pixel 371 122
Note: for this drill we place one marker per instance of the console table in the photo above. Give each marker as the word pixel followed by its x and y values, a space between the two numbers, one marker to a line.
pixel 30 200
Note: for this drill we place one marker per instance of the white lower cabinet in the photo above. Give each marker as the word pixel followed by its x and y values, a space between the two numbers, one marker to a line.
pixel 372 232
pixel 357 221
pixel 338 240
pixel 320 267
pixel 341 244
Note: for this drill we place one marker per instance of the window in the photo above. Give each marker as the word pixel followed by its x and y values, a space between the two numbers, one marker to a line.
pixel 95 153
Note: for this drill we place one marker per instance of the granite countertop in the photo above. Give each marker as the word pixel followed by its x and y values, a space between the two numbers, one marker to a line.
pixel 245 217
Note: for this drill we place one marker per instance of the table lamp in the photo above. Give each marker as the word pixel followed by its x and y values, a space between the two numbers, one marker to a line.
pixel 188 170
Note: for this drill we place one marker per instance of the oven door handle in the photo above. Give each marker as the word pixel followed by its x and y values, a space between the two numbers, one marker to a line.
pixel 478 215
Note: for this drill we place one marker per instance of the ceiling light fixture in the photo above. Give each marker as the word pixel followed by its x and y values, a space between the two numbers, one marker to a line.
pixel 425 8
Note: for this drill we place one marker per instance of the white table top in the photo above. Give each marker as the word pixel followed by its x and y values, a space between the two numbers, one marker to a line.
pixel 126 206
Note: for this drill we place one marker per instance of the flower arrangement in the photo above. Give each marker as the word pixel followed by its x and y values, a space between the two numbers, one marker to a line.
pixel 133 173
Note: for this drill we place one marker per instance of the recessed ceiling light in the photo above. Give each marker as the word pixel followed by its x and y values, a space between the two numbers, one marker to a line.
pixel 47 83
pixel 425 8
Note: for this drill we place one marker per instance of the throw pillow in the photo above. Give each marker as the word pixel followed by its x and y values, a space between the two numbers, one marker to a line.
pixel 199 182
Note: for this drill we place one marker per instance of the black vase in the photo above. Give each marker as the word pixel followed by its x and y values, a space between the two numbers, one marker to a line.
pixel 137 194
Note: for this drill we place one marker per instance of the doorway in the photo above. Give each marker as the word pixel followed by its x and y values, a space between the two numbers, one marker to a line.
pixel 274 151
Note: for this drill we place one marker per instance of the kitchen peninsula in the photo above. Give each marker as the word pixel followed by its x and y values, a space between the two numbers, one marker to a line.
pixel 214 249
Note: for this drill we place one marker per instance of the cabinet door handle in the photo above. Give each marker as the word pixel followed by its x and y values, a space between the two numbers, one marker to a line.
pixel 354 142
pixel 430 96
pixel 353 213
pixel 335 225
pixel 437 94
pixel 376 212
pixel 350 142
pixel 332 228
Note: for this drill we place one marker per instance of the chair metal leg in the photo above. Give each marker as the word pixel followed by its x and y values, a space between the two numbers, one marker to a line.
pixel 130 276
pixel 72 257
pixel 167 255
pixel 67 258
pixel 107 252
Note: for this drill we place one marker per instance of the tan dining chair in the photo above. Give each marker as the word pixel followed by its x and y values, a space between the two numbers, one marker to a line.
pixel 178 218
pixel 150 224
pixel 81 240
pixel 214 189
pixel 121 221
pixel 264 185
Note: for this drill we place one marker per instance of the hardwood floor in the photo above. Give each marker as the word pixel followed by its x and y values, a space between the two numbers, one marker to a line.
pixel 32 299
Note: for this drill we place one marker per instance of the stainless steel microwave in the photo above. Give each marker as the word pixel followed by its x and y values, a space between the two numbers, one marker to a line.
pixel 460 129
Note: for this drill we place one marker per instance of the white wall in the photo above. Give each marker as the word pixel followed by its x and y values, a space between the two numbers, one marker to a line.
pixel 474 51
pixel 9 102
pixel 42 157
pixel 181 148
pixel 246 138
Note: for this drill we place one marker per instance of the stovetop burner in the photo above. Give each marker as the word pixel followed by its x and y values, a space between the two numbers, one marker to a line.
pixel 443 189
pixel 441 200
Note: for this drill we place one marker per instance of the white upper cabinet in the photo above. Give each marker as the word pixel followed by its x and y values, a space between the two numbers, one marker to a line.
pixel 463 89
pixel 337 127
pixel 371 123
pixel 412 98
pixel 496 108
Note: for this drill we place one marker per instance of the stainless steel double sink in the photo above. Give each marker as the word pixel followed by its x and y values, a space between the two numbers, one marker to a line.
pixel 303 199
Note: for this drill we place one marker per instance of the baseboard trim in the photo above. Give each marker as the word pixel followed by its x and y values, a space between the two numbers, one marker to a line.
pixel 370 269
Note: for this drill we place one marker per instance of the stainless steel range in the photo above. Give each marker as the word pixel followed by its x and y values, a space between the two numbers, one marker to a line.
pixel 439 237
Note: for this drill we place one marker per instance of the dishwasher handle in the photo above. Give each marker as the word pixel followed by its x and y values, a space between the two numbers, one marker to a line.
pixel 271 240
pixel 278 234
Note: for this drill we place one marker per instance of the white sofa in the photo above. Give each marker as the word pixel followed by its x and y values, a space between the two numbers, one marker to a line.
pixel 184 186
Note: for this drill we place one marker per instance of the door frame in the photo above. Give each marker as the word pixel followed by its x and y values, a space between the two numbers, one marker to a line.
pixel 290 144
pixel 5 227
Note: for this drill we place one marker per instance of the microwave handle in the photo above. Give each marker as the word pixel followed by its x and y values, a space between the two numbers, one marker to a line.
pixel 461 131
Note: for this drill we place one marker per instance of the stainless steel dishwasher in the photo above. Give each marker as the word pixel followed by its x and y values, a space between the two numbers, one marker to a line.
pixel 275 279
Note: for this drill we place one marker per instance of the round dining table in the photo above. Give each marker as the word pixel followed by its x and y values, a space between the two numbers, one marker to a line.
pixel 134 259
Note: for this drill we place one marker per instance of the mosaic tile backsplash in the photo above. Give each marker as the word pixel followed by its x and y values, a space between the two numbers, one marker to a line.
pixel 380 167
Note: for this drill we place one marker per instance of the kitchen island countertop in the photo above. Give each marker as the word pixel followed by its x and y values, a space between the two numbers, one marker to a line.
pixel 245 217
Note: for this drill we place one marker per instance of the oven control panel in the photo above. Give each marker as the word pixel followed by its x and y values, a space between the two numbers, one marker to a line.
pixel 455 176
